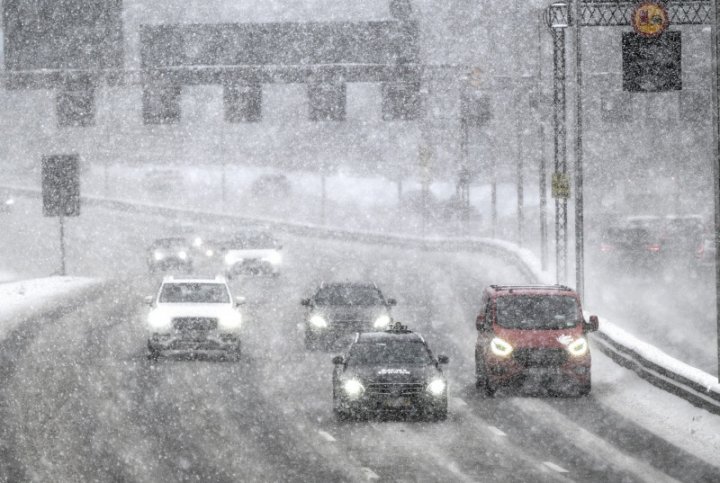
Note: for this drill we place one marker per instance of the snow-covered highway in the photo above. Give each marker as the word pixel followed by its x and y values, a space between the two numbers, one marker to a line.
pixel 80 402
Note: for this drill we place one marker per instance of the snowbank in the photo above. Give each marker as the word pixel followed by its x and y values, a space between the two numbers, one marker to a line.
pixel 28 298
pixel 658 357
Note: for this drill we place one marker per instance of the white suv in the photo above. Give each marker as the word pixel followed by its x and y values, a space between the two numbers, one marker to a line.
pixel 194 315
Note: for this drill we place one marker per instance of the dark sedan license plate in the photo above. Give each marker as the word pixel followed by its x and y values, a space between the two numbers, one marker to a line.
pixel 397 402
pixel 543 371
pixel 194 335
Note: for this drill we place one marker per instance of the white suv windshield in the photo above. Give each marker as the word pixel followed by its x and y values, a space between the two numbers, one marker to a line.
pixel 198 293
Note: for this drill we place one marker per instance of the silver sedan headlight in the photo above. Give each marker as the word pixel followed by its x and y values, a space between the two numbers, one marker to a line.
pixel 353 388
pixel 318 321
pixel 382 322
pixel 159 322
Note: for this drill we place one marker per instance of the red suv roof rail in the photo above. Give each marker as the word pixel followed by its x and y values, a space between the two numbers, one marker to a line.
pixel 530 287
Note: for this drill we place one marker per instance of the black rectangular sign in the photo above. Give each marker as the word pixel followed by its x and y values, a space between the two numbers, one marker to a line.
pixel 62 34
pixel 652 64
pixel 61 185
pixel 312 43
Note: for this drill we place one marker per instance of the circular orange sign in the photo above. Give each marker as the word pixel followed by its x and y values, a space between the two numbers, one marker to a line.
pixel 650 19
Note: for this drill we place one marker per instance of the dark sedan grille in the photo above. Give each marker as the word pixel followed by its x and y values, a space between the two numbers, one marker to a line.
pixel 395 390
pixel 540 357
pixel 186 324
pixel 350 325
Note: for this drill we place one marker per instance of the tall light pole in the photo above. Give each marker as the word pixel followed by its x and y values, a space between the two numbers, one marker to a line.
pixel 579 200
pixel 715 47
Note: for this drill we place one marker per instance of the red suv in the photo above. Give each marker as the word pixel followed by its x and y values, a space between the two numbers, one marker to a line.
pixel 532 331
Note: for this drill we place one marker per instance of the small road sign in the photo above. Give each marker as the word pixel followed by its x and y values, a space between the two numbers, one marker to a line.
pixel 61 185
pixel 650 19
pixel 560 186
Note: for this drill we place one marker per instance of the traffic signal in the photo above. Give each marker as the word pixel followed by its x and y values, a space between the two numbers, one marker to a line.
pixel 327 100
pixel 243 102
pixel 476 110
pixel 161 104
pixel 401 101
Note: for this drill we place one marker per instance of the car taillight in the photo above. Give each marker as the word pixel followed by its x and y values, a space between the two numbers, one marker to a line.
pixel 604 247
pixel 700 250
pixel 653 247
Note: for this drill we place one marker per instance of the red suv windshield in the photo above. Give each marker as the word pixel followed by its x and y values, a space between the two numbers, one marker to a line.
pixel 537 312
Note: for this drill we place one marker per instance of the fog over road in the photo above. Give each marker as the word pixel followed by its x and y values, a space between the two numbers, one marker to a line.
pixel 79 400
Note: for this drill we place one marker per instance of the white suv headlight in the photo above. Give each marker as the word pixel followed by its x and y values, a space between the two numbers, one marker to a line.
pixel 159 322
pixel 273 258
pixel 382 322
pixel 500 347
pixel 182 255
pixel 578 347
pixel 158 256
pixel 230 323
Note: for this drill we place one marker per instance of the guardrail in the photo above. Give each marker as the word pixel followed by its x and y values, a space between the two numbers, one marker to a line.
pixel 695 386
pixel 691 384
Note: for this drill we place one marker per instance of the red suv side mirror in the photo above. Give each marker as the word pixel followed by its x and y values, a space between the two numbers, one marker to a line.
pixel 480 322
pixel 593 325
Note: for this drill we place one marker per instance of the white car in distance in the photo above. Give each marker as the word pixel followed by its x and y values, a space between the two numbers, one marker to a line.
pixel 252 253
pixel 194 316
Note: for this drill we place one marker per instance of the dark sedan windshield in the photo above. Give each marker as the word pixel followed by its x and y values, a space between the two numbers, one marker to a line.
pixel 537 312
pixel 390 352
pixel 348 295
pixel 197 293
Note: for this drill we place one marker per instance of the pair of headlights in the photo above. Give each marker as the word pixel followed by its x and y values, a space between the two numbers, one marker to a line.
pixel 182 255
pixel 354 388
pixel 320 322
pixel 502 348
pixel 161 323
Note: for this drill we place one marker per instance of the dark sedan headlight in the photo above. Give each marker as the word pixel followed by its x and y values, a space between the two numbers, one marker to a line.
pixel 353 388
pixel 437 387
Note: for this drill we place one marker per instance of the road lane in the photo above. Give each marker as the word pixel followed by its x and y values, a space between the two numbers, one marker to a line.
pixel 84 403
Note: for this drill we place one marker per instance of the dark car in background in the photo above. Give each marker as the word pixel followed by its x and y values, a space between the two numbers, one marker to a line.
pixel 630 248
pixel 389 372
pixel 170 254
pixel 271 186
pixel 657 244
pixel 338 310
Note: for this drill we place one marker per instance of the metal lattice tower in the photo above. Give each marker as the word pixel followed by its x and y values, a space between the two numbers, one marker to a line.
pixel 558 19
pixel 594 13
